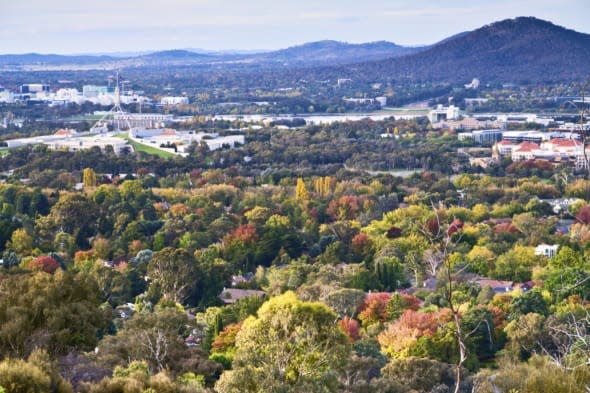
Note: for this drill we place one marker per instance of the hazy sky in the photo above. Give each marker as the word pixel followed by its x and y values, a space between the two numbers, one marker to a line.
pixel 81 26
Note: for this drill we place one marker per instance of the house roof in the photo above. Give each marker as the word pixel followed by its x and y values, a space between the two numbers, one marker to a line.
pixel 232 295
pixel 495 284
pixel 527 146
pixel 505 143
pixel 565 142
pixel 64 132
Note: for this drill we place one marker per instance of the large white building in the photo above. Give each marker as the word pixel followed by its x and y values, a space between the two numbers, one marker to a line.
pixel 143 120
pixel 557 150
pixel 182 140
pixel 68 139
pixel 170 100
pixel 76 144
pixel 441 113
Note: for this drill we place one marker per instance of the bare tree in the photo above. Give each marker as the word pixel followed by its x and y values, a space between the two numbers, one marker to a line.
pixel 444 235
pixel 433 260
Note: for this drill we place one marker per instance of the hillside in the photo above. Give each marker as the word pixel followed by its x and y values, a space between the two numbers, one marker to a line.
pixel 336 52
pixel 37 58
pixel 512 50
pixel 309 54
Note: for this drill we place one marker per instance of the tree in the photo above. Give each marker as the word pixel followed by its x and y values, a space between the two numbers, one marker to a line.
pixel 156 338
pixel 374 308
pixel 402 334
pixel 443 241
pixel 73 214
pixel 346 301
pixel 89 177
pixel 351 327
pixel 418 375
pixel 174 273
pixel 539 375
pixel 21 242
pixel 529 302
pixel 37 374
pixel 56 312
pixel 516 264
pixel 292 346
pixel 524 334
pixel 44 263
pixel 301 193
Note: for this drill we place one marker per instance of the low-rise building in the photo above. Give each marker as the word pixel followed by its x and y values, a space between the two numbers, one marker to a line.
pixel 119 145
pixel 441 113
pixel 498 286
pixel 232 295
pixel 482 137
pixel 558 150
pixel 547 250
pixel 170 100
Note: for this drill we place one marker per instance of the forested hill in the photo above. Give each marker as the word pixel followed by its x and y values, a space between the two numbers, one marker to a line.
pixel 512 50
pixel 336 52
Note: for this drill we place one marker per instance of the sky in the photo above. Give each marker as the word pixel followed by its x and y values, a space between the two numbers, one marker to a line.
pixel 95 26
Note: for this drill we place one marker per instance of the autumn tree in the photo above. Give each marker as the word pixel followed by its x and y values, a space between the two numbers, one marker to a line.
pixel 44 263
pixel 291 346
pixel 89 177
pixel 301 193
pixel 21 242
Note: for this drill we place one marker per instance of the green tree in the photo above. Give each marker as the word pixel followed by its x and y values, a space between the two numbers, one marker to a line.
pixel 57 312
pixel 156 338
pixel 174 272
pixel 292 346
pixel 21 242
pixel 20 376
pixel 516 264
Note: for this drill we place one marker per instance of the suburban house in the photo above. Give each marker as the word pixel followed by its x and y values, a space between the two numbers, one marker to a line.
pixel 232 295
pixel 547 250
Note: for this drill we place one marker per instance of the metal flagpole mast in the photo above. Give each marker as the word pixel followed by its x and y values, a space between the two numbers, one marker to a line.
pixel 115 110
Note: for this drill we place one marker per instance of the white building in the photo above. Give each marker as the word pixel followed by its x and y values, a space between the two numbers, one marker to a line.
pixel 170 100
pixel 182 140
pixel 473 85
pixel 68 95
pixel 547 250
pixel 91 91
pixel 34 88
pixel 83 143
pixel 556 150
pixel 358 100
pixel 382 101
pixel 442 113
pixel 6 96
pixel 537 136
pixel 143 120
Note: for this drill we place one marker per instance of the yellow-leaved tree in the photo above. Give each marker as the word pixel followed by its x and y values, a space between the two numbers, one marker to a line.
pixel 291 346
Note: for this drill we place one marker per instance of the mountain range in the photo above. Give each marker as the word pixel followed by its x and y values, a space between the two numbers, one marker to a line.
pixel 520 49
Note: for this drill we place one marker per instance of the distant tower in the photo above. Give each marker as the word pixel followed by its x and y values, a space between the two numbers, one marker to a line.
pixel 116 113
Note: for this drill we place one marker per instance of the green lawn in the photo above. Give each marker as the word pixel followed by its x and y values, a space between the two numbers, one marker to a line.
pixel 145 148
pixel 4 152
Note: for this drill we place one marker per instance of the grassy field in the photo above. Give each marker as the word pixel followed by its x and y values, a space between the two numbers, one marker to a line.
pixel 4 152
pixel 145 148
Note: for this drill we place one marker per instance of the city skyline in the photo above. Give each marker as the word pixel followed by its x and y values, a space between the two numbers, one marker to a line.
pixel 67 27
